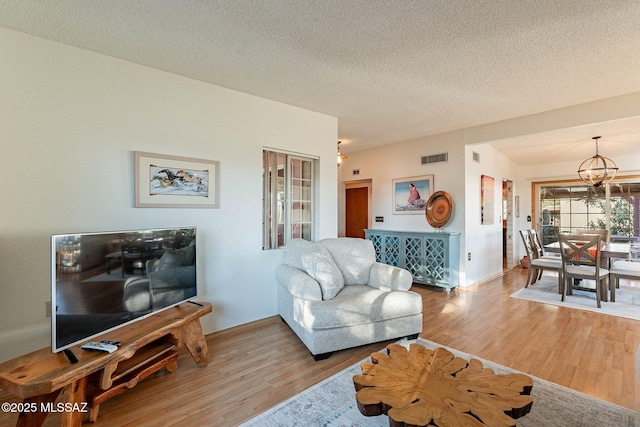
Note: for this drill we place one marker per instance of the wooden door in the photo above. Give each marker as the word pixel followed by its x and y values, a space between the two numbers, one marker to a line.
pixel 357 211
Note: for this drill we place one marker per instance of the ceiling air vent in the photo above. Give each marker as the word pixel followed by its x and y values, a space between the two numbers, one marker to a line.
pixel 434 158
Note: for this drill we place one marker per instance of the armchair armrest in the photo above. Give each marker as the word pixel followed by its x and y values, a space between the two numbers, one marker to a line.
pixel 152 264
pixel 298 283
pixel 136 296
pixel 389 278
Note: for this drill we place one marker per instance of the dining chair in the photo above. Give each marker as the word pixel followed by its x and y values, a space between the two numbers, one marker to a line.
pixel 604 234
pixel 537 243
pixel 622 269
pixel 134 257
pixel 536 265
pixel 581 260
pixel 605 238
pixel 539 249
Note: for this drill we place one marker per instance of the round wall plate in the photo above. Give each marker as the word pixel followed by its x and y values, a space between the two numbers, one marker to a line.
pixel 439 209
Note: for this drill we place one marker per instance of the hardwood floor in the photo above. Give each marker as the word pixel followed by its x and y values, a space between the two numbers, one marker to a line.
pixel 255 366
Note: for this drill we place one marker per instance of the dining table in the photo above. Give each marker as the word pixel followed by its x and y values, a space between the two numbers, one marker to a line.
pixel 608 251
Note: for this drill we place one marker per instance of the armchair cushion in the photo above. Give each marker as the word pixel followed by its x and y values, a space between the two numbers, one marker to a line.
pixel 319 264
pixel 177 257
pixel 353 256
pixel 295 249
pixel 357 305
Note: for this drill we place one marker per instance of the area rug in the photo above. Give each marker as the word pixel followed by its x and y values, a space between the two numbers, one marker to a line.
pixel 546 291
pixel 332 403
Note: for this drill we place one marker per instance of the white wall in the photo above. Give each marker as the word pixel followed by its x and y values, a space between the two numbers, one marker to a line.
pixel 71 120
pixel 402 160
pixel 485 241
pixel 461 177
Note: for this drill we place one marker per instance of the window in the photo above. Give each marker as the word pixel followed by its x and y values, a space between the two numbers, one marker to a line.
pixel 288 194
pixel 568 207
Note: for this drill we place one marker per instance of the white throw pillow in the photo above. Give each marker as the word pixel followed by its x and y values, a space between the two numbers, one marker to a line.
pixel 294 250
pixel 354 257
pixel 319 264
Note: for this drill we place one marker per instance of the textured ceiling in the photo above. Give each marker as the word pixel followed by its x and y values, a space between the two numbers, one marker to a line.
pixel 390 71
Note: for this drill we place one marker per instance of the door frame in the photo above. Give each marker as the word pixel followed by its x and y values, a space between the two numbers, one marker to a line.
pixel 365 183
pixel 509 211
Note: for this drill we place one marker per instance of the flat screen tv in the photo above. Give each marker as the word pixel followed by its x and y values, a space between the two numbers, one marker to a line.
pixel 102 281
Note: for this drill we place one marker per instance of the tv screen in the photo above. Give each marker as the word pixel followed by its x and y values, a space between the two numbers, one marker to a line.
pixel 102 281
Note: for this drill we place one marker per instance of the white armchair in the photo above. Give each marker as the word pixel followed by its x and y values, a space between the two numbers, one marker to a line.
pixel 334 295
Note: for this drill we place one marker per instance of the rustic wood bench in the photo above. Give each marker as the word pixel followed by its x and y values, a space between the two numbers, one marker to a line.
pixel 150 344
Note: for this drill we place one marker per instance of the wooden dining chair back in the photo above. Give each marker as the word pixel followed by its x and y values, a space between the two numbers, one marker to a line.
pixel 134 257
pixel 535 241
pixel 581 261
pixel 531 255
pixel 604 234
pixel 536 264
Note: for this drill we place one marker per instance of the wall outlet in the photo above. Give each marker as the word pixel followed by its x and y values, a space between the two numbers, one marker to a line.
pixel 469 256
pixel 47 308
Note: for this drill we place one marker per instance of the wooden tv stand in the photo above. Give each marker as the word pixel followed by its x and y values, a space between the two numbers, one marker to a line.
pixel 147 346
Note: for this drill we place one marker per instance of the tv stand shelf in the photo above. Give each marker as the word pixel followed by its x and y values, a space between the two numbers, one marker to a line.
pixel 119 377
pixel 142 357
pixel 148 345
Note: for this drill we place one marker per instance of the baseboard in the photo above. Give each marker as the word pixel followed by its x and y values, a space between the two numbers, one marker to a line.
pixel 487 279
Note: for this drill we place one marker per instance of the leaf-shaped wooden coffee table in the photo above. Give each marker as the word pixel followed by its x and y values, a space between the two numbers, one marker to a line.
pixel 420 387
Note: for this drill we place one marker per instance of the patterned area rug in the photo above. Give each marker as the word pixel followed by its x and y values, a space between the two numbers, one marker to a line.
pixel 332 403
pixel 546 291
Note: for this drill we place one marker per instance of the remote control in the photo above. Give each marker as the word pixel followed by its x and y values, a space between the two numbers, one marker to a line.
pixel 116 343
pixel 99 346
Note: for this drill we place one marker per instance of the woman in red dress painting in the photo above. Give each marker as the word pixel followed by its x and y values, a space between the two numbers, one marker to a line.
pixel 414 195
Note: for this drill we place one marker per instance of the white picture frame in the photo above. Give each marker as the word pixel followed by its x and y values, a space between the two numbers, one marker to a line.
pixel 410 195
pixel 165 181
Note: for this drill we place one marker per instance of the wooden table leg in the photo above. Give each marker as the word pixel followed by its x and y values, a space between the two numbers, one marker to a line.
pixel 72 406
pixel 195 342
pixel 105 378
pixel 74 396
pixel 35 416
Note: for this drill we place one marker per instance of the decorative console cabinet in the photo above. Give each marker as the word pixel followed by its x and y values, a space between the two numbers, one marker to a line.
pixel 431 258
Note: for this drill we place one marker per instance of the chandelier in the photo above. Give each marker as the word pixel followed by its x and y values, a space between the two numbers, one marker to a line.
pixel 597 169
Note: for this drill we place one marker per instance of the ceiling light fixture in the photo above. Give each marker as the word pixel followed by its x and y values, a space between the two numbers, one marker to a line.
pixel 341 156
pixel 597 170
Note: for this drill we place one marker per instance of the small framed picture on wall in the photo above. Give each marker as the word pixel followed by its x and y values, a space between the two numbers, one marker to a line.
pixel 487 199
pixel 410 195
pixel 163 181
